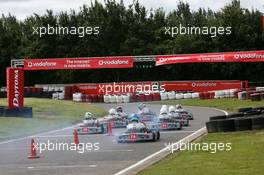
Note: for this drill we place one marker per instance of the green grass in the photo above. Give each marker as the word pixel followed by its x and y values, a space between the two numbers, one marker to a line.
pixel 228 104
pixel 47 114
pixel 246 157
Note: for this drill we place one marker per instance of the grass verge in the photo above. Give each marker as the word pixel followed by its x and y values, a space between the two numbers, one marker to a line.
pixel 47 114
pixel 227 104
pixel 245 157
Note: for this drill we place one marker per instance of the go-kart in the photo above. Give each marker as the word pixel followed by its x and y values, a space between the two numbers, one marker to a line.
pixel 138 132
pixel 166 122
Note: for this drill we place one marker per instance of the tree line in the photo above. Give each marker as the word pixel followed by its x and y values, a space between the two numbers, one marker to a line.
pixel 134 30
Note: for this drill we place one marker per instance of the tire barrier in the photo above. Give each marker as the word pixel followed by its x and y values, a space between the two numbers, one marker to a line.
pixel 257 122
pixel 235 115
pixel 246 119
pixel 245 109
pixel 219 117
pixel 212 126
pixel 252 112
pixel 226 125
pixel 243 124
pixel 261 109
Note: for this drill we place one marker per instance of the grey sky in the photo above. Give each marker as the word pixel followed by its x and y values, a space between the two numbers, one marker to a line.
pixel 23 8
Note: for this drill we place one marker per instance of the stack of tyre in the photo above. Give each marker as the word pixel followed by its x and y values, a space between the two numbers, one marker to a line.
pixel 245 119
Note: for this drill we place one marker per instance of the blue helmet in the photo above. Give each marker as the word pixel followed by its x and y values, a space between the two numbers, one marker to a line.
pixel 134 118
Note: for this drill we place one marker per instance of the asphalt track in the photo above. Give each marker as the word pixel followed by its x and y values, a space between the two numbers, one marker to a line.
pixel 109 159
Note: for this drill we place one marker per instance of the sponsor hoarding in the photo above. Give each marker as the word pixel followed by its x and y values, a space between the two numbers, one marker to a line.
pixel 248 56
pixel 15 87
pixel 201 86
pixel 78 63
pixel 130 87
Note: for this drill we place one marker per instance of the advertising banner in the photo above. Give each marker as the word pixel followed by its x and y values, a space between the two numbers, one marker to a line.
pixel 249 56
pixel 78 63
pixel 201 86
pixel 130 87
pixel 15 87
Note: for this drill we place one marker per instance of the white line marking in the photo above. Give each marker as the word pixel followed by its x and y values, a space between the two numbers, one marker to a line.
pixel 189 138
pixel 61 166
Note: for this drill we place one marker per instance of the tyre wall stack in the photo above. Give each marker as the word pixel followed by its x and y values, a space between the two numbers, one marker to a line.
pixel 245 119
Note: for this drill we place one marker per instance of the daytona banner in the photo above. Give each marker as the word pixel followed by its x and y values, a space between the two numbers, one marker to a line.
pixel 15 87
pixel 78 63
pixel 248 56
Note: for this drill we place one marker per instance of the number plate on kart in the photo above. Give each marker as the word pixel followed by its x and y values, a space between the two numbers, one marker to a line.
pixel 133 137
pixel 85 130
pixel 164 125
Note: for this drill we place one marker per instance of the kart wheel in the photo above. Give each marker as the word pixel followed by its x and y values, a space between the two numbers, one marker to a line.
pixel 188 123
pixel 153 137
pixel 158 135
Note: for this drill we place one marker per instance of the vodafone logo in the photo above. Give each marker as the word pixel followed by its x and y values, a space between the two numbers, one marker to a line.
pixel 248 56
pixel 113 62
pixel 203 84
pixel 41 64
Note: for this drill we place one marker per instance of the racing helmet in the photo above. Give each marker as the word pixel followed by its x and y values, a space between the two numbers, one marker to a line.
pixel 172 109
pixel 178 106
pixel 88 115
pixel 119 109
pixel 163 111
pixel 112 111
pixel 134 118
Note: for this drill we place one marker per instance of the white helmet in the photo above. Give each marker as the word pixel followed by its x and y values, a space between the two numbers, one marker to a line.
pixel 178 106
pixel 172 109
pixel 88 115
pixel 163 111
pixel 112 111
pixel 164 107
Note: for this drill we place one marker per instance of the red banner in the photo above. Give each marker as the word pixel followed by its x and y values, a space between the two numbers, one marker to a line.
pixel 201 86
pixel 15 87
pixel 249 56
pixel 129 87
pixel 78 63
